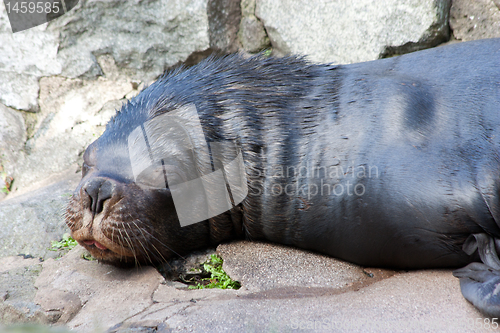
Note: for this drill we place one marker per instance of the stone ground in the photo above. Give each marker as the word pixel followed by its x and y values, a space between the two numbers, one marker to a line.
pixel 283 290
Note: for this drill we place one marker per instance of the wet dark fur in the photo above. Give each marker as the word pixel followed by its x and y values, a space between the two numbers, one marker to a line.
pixel 286 112
pixel 253 90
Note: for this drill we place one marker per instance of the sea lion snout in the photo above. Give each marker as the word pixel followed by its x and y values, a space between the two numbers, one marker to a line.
pixel 97 220
pixel 122 223
pixel 99 190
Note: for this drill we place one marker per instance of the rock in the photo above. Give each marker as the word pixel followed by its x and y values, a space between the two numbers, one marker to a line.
pixel 477 19
pixel 18 90
pixel 32 328
pixel 17 291
pixel 410 302
pixel 24 58
pixel 3 188
pixel 87 296
pixel 269 266
pixel 143 37
pixel 252 34
pixel 30 222
pixel 354 31
pixel 12 139
pixel 223 21
pixel 414 301
pixel 91 296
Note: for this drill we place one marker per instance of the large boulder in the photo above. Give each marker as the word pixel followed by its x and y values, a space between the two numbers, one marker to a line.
pixel 353 31
pixel 143 37
pixel 24 58
pixel 87 296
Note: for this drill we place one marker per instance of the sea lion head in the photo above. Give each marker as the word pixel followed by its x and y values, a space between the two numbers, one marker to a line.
pixel 123 211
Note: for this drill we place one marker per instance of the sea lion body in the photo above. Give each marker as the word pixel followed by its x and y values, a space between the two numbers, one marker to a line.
pixel 392 162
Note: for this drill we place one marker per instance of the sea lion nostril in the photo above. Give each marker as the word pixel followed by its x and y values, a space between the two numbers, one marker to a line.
pixel 99 190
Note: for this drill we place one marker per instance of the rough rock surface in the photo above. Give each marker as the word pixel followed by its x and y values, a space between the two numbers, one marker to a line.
pixel 144 37
pixel 73 113
pixel 12 137
pixel 262 271
pixel 399 304
pixel 223 21
pixel 17 290
pixel 92 296
pixel 87 296
pixel 252 35
pixel 476 19
pixel 24 58
pixel 30 222
pixel 346 32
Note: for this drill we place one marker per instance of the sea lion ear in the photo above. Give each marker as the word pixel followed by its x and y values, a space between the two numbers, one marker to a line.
pixel 479 284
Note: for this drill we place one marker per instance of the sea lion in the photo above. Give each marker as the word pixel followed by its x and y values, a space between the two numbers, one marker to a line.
pixel 389 163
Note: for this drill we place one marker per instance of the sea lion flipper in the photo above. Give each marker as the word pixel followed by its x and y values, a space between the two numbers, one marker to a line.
pixel 480 285
pixel 486 248
pixel 480 282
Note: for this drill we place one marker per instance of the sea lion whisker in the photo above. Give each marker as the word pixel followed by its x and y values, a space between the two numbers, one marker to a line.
pixel 134 250
pixel 130 245
pixel 146 252
pixel 154 259
pixel 164 245
pixel 159 253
